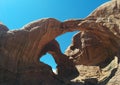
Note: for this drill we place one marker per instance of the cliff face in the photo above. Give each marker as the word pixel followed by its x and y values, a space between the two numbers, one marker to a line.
pixel 91 59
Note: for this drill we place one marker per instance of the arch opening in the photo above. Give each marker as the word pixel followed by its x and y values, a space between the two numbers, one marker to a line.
pixel 65 40
pixel 53 52
pixel 49 60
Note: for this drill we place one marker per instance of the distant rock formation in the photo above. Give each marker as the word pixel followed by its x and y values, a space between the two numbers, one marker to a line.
pixel 91 59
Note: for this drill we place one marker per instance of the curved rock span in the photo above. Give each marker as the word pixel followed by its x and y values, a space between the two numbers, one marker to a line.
pixel 91 59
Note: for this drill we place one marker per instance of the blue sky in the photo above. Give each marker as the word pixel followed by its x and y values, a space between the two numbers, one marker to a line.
pixel 16 13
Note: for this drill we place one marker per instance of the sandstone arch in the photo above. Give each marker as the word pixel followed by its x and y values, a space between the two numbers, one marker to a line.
pixel 20 49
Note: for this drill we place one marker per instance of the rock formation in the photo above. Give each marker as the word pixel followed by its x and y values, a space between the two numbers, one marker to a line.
pixel 91 59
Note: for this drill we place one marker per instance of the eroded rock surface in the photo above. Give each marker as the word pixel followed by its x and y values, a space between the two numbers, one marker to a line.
pixel 97 45
pixel 91 59
pixel 20 51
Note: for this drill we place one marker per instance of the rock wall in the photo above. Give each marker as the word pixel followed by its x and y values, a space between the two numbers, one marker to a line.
pixel 91 59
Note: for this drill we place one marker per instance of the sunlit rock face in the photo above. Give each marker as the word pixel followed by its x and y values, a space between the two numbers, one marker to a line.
pixel 88 49
pixel 91 59
pixel 97 46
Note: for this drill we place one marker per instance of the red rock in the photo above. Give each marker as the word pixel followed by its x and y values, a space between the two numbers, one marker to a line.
pixel 97 43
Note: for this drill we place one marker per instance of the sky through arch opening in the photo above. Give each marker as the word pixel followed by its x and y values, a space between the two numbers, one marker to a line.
pixel 64 41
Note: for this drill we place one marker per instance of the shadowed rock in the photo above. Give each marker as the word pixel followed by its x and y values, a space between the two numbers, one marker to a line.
pixel 20 51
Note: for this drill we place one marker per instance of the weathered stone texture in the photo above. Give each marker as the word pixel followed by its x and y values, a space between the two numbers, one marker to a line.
pixel 91 59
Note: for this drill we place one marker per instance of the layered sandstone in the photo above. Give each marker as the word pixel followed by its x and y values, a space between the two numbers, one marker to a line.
pixel 91 59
